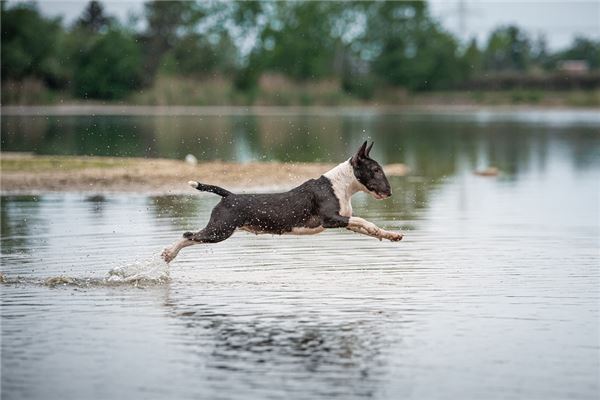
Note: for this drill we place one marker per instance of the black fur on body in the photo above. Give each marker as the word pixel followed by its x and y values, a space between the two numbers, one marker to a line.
pixel 315 205
pixel 310 205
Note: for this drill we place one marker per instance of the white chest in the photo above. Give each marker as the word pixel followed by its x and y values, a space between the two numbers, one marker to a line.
pixel 344 185
pixel 345 207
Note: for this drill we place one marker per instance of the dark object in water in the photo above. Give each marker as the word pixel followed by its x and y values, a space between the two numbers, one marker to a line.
pixel 97 198
pixel 490 171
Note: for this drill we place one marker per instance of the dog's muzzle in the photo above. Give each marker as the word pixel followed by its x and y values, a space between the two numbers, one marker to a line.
pixel 381 196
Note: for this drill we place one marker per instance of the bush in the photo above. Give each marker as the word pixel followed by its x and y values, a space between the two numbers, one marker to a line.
pixel 362 86
pixel 29 45
pixel 108 69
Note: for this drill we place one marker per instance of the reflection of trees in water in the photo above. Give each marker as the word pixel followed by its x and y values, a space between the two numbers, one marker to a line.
pixel 342 356
pixel 105 136
pixel 245 139
pixel 122 136
pixel 410 197
pixel 185 212
pixel 442 147
pixel 433 145
pixel 20 221
pixel 207 138
pixel 302 138
pixel 585 147
pixel 23 133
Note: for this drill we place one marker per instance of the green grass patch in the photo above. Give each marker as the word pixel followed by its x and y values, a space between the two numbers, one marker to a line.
pixel 58 163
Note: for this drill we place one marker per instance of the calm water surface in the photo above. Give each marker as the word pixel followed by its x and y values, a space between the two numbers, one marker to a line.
pixel 493 293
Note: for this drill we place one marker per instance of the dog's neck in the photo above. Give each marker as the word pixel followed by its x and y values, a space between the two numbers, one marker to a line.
pixel 344 181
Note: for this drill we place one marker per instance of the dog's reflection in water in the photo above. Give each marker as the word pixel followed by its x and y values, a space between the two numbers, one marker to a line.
pixel 343 357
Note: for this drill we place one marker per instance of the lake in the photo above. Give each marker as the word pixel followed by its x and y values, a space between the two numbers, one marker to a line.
pixel 494 292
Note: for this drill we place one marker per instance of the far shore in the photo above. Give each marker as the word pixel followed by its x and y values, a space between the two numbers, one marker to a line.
pixel 92 109
pixel 27 174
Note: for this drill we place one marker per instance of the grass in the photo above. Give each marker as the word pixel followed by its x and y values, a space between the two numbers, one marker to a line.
pixel 277 90
pixel 514 97
pixel 21 163
pixel 169 90
pixel 273 90
pixel 26 173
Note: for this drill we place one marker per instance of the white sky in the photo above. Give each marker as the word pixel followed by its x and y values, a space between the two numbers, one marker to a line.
pixel 558 21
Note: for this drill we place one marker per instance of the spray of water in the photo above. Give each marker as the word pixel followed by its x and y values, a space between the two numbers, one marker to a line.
pixel 150 271
pixel 153 269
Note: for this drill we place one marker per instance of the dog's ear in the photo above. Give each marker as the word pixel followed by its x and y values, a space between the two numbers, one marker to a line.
pixel 360 154
pixel 369 149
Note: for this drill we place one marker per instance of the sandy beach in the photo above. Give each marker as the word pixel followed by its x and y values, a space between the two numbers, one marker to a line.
pixel 31 174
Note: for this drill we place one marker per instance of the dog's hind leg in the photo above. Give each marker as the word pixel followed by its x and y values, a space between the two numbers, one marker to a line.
pixel 212 233
pixel 221 225
pixel 171 252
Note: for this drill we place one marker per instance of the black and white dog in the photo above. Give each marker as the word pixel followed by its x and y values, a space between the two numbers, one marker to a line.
pixel 310 208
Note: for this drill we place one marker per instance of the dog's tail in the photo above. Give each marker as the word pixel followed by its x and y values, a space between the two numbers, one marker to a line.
pixel 210 188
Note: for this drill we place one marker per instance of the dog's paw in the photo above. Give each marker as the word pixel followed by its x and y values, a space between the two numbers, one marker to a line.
pixel 168 255
pixel 395 236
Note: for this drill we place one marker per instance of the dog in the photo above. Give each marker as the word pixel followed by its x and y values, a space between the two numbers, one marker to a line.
pixel 310 208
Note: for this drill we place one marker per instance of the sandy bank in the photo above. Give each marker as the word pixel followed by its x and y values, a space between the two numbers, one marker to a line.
pixel 29 174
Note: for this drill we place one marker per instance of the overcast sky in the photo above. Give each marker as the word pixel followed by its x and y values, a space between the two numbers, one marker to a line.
pixel 558 21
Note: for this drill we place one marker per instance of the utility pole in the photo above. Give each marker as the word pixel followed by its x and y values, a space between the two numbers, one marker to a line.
pixel 462 12
pixel 462 18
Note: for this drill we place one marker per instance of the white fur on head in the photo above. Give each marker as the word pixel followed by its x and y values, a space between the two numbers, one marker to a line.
pixel 193 184
pixel 344 184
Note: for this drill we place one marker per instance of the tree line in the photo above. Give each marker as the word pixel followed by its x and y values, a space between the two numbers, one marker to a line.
pixel 362 44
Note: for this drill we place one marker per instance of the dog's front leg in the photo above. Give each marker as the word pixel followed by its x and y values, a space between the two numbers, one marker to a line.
pixel 360 225
pixel 171 252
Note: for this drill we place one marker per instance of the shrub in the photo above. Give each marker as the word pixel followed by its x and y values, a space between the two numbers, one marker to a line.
pixel 110 68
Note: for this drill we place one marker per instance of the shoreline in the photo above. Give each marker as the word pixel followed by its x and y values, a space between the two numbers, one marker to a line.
pixel 182 110
pixel 26 174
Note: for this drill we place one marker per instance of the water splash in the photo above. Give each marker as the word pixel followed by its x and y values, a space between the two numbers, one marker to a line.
pixel 148 272
pixel 153 269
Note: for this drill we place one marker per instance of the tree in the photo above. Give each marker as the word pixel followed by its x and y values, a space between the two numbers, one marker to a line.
pixel 29 45
pixel 167 22
pixel 249 18
pixel 93 18
pixel 408 48
pixel 540 56
pixel 196 55
pixel 299 41
pixel 583 49
pixel 109 68
pixel 508 49
pixel 471 60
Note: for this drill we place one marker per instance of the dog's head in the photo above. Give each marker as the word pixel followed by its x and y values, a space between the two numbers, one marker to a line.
pixel 369 173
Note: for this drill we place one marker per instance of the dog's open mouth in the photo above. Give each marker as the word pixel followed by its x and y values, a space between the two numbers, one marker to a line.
pixel 380 196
